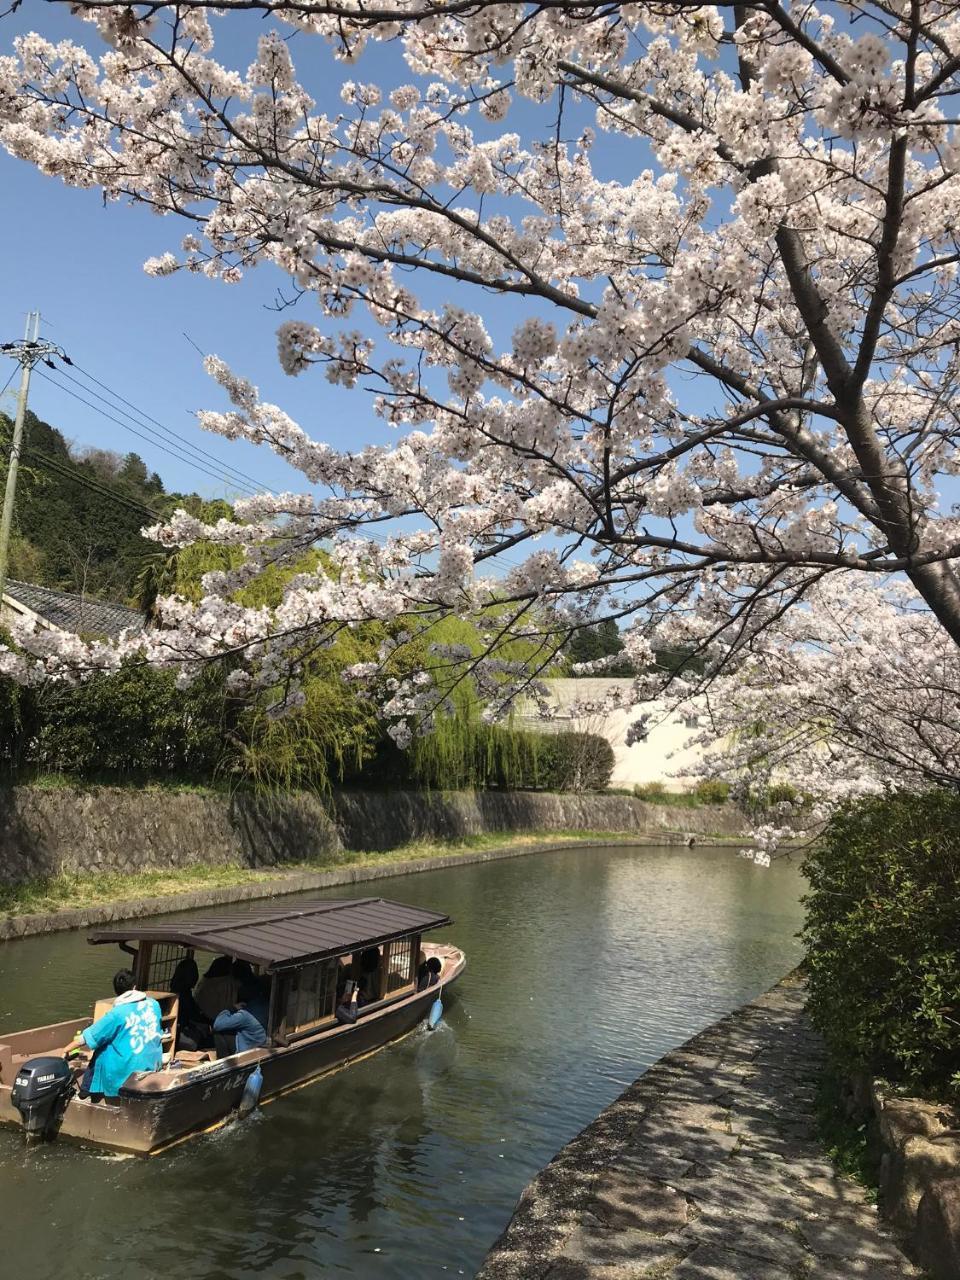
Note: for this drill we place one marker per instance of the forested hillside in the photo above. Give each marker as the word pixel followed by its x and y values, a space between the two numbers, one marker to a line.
pixel 79 513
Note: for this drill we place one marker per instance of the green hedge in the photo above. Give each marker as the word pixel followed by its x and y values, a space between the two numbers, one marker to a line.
pixel 883 937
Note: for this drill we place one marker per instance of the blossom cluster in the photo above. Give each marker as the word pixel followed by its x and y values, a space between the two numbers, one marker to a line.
pixel 731 370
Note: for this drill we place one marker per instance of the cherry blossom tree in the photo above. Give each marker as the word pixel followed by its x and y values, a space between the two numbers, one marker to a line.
pixel 856 690
pixel 862 686
pixel 733 365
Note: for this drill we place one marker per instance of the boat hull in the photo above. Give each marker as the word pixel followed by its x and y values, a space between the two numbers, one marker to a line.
pixel 164 1108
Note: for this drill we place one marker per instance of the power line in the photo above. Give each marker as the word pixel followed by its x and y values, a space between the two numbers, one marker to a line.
pixel 197 466
pixel 230 474
pixel 68 472
pixel 169 432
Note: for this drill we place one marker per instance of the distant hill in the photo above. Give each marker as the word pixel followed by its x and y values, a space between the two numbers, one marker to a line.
pixel 79 513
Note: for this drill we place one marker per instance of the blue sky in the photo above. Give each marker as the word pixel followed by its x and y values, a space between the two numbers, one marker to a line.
pixel 80 263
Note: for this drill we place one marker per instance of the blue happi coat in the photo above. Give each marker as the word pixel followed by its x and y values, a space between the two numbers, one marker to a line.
pixel 125 1040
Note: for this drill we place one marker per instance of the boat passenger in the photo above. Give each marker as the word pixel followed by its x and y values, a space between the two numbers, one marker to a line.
pixel 218 988
pixel 126 1039
pixel 428 975
pixel 246 1020
pixel 346 1010
pixel 369 975
pixel 243 974
pixel 193 1025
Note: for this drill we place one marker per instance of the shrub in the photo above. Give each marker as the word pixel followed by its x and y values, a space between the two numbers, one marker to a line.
pixel 712 791
pixel 652 791
pixel 781 793
pixel 574 762
pixel 883 936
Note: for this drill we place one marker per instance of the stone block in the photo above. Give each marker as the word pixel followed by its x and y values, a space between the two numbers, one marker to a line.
pixel 765 1241
pixel 710 1262
pixel 919 1147
pixel 851 1237
pixel 937 1234
pixel 632 1204
pixel 635 1252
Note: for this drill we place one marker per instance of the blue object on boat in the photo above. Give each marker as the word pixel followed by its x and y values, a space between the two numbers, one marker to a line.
pixel 251 1091
pixel 435 1014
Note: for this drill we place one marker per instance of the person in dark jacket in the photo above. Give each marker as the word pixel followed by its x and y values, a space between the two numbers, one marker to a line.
pixel 218 988
pixel 346 1010
pixel 193 1025
pixel 428 975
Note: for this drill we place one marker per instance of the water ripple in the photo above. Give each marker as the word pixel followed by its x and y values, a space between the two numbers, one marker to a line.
pixel 584 968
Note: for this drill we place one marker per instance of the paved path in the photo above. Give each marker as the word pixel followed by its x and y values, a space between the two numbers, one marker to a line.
pixel 707 1168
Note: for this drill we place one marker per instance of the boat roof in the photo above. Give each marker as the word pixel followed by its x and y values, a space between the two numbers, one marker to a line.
pixel 279 937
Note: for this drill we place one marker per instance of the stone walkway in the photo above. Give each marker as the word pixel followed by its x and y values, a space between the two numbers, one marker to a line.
pixel 707 1168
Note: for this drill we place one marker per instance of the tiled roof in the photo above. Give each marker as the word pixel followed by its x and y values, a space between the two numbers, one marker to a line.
pixel 70 612
pixel 277 936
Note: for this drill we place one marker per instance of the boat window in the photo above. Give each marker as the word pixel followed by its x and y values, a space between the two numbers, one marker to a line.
pixel 400 962
pixel 308 995
pixel 163 960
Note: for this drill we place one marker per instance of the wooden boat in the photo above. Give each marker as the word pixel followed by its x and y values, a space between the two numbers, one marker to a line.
pixel 297 950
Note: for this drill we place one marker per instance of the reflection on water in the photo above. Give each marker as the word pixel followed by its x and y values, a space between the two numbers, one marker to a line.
pixel 583 969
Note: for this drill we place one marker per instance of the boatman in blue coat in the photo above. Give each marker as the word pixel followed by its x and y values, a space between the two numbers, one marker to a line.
pixel 127 1039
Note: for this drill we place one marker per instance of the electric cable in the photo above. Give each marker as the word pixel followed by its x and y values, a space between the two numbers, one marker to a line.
pixel 68 472
pixel 196 466
pixel 167 432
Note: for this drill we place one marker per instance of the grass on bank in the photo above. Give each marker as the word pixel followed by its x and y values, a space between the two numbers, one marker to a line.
pixel 845 1137
pixel 99 888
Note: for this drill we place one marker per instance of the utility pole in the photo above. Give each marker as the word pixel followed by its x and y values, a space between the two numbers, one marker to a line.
pixel 28 352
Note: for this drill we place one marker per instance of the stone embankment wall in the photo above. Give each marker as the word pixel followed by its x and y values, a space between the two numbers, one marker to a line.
pixel 45 832
pixel 920 1176
pixel 383 820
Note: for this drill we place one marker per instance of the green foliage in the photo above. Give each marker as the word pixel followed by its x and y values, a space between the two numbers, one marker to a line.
pixel 135 722
pixel 712 791
pixel 465 754
pixel 651 791
pixel 471 755
pixel 883 936
pixel 681 661
pixel 18 720
pixel 69 536
pixel 599 640
pixel 329 738
pixel 843 1135
pixel 575 762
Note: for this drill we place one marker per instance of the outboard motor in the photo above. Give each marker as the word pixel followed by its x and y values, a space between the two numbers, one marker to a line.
pixel 40 1093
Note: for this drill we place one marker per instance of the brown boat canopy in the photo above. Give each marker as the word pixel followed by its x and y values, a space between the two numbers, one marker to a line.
pixel 281 937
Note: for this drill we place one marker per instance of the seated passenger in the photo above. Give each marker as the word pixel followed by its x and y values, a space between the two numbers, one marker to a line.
pixel 346 1011
pixel 244 1020
pixel 125 1040
pixel 243 973
pixel 193 1025
pixel 369 975
pixel 428 975
pixel 218 988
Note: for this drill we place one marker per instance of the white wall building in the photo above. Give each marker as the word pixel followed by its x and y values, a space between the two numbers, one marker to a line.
pixel 664 754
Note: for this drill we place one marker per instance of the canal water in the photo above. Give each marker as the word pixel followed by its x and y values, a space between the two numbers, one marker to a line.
pixel 584 967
